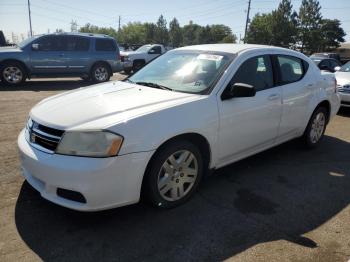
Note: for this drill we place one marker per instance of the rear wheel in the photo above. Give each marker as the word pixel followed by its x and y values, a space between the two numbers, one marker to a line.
pixel 13 74
pixel 316 127
pixel 100 73
pixel 174 174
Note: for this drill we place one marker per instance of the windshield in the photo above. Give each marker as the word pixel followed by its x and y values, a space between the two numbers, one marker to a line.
pixel 143 48
pixel 27 41
pixel 185 71
pixel 345 68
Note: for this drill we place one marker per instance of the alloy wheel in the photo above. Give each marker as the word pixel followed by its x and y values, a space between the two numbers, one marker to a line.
pixel 177 175
pixel 12 74
pixel 317 127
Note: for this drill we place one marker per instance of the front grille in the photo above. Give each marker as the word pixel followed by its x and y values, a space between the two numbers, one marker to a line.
pixel 42 136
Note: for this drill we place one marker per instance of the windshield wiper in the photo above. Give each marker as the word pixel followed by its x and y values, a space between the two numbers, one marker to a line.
pixel 154 85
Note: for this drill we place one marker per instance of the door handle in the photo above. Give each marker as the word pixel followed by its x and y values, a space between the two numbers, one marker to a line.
pixel 274 97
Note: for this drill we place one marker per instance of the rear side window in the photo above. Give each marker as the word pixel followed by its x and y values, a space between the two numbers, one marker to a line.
pixel 255 71
pixel 76 43
pixel 291 69
pixel 105 45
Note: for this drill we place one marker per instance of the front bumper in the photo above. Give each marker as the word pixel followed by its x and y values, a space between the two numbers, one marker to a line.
pixel 104 182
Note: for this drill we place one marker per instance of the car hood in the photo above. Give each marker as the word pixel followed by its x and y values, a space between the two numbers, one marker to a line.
pixel 116 101
pixel 9 49
pixel 129 53
pixel 342 78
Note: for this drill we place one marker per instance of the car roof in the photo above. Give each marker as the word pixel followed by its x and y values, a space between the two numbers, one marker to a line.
pixel 229 48
pixel 83 34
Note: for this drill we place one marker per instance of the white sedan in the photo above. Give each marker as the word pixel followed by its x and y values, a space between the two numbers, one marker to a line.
pixel 191 110
pixel 343 79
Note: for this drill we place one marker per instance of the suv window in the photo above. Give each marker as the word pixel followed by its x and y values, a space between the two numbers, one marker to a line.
pixel 76 43
pixel 51 43
pixel 105 45
pixel 255 71
pixel 291 69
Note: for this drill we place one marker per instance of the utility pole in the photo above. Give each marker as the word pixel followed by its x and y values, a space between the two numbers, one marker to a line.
pixel 119 24
pixel 246 22
pixel 30 19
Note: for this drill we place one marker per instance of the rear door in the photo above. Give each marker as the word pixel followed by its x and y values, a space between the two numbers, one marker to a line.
pixel 297 85
pixel 76 54
pixel 48 57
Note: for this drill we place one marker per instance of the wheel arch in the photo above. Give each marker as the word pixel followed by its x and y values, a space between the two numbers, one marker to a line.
pixel 27 71
pixel 195 138
pixel 326 104
pixel 101 62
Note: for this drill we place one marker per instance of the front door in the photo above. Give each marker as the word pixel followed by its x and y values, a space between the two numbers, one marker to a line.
pixel 249 124
pixel 47 57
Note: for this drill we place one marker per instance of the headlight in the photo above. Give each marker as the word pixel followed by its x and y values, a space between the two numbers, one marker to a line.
pixel 90 144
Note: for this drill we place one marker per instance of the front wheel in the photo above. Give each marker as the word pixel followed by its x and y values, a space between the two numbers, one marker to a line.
pixel 100 73
pixel 13 74
pixel 316 127
pixel 174 174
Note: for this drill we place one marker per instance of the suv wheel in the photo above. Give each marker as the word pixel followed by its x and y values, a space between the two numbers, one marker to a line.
pixel 13 74
pixel 137 65
pixel 174 174
pixel 100 73
pixel 316 127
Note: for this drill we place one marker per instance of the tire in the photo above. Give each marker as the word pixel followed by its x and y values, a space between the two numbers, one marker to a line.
pixel 316 127
pixel 163 190
pixel 127 71
pixel 100 73
pixel 13 74
pixel 137 65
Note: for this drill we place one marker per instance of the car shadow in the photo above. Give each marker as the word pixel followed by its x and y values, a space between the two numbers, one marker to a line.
pixel 282 193
pixel 344 111
pixel 46 85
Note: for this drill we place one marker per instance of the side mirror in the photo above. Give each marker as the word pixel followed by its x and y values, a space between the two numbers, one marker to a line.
pixel 337 68
pixel 238 90
pixel 35 46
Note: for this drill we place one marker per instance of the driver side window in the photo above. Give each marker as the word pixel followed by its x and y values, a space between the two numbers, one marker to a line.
pixel 255 71
pixel 156 50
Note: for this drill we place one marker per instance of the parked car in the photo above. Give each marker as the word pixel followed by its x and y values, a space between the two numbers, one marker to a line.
pixel 90 56
pixel 343 80
pixel 135 60
pixel 327 55
pixel 190 110
pixel 326 64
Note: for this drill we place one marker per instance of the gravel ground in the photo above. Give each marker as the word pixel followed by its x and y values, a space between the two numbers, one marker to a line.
pixel 285 204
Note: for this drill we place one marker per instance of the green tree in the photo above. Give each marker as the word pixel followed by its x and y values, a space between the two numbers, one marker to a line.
pixel 190 32
pixel 221 32
pixel 260 30
pixel 284 25
pixel 162 35
pixel 133 33
pixel 150 32
pixel 332 34
pixel 309 23
pixel 175 33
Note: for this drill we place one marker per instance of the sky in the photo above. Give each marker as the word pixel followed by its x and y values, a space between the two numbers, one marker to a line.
pixel 48 15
